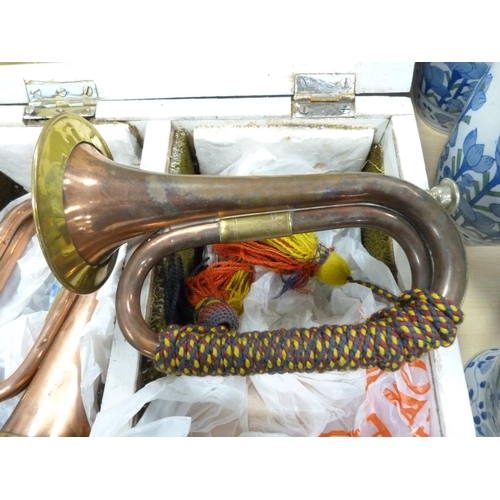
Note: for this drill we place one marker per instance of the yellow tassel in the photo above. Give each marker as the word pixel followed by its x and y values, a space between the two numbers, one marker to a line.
pixel 296 255
pixel 334 271
pixel 300 246
pixel 238 288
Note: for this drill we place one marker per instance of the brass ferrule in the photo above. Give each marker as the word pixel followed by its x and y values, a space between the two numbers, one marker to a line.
pixel 255 227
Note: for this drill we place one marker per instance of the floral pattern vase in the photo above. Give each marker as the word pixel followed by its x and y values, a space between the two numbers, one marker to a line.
pixel 442 90
pixel 482 375
pixel 471 158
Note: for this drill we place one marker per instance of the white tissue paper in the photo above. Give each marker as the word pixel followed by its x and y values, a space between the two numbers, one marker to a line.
pixel 96 341
pixel 316 149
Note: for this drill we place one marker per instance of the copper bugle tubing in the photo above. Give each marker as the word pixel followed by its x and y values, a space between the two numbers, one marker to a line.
pixel 66 318
pixel 56 317
pixel 15 248
pixel 52 404
pixel 433 247
pixel 16 231
pixel 11 222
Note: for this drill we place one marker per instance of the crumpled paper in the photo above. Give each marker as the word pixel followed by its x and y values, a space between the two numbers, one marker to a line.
pixel 318 149
pixel 96 341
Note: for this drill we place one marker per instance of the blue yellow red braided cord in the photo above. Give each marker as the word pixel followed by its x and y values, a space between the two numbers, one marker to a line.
pixel 419 321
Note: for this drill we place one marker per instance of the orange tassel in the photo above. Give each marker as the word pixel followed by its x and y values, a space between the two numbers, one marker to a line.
pixel 215 281
pixel 217 292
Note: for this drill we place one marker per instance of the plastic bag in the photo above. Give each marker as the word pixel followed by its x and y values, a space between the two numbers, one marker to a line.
pixel 214 406
pixel 304 404
pixel 396 404
pixel 96 341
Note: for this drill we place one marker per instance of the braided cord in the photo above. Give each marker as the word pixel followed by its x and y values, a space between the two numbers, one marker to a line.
pixel 418 322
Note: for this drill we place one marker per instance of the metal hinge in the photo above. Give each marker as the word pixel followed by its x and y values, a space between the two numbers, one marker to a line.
pixel 47 99
pixel 323 95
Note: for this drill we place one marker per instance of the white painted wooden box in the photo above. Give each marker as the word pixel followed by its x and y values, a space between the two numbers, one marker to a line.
pixel 137 111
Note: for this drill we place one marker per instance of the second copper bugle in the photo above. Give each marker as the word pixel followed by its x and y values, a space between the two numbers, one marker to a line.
pixel 49 374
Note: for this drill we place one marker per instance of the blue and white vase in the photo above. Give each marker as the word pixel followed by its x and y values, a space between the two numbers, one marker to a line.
pixel 471 158
pixel 442 89
pixel 482 375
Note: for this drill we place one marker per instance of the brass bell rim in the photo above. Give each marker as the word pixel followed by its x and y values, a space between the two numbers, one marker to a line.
pixel 60 135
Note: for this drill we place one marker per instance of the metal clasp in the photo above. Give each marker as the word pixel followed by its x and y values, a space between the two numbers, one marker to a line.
pixel 323 95
pixel 47 99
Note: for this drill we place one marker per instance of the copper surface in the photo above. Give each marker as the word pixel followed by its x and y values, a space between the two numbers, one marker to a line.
pixel 47 411
pixel 52 403
pixel 14 250
pixel 56 316
pixel 16 231
pixel 11 222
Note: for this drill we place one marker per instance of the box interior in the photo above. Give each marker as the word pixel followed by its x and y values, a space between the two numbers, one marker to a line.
pixel 127 142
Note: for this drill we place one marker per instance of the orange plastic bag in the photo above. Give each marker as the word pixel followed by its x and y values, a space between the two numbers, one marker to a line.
pixel 397 404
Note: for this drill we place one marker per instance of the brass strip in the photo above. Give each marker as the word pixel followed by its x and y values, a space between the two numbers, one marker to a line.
pixel 58 138
pixel 255 227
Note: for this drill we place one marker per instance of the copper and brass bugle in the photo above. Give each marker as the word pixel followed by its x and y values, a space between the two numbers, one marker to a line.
pixel 91 205
pixel 86 205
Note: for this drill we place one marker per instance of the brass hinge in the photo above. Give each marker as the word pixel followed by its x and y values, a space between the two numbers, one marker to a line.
pixel 323 95
pixel 47 99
